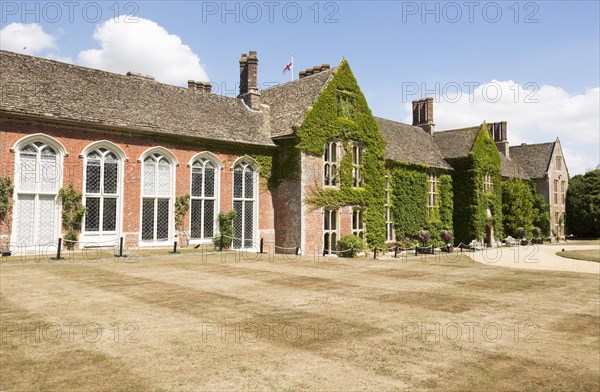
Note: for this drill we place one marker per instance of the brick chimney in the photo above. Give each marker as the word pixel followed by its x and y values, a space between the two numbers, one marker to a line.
pixel 498 132
pixel 249 80
pixel 423 114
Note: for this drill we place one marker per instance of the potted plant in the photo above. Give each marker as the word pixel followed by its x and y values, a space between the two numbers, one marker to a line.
pixel 447 236
pixel 537 239
pixel 522 233
pixel 423 236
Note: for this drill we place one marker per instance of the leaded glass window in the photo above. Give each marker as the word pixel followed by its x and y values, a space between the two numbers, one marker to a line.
pixel 157 189
pixel 203 199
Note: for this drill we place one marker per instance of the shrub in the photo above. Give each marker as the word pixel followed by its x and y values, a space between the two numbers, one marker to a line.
pixel 351 245
pixel 536 232
pixel 447 236
pixel 72 214
pixel 521 232
pixel 226 229
pixel 423 236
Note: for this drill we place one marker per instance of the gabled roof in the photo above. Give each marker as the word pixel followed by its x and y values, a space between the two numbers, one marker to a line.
pixel 511 168
pixel 59 91
pixel 456 143
pixel 290 101
pixel 534 158
pixel 407 143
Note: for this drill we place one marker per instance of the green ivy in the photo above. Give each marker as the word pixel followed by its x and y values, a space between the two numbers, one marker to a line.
pixel 73 212
pixel 517 206
pixel 470 202
pixel 182 205
pixel 409 200
pixel 6 191
pixel 341 113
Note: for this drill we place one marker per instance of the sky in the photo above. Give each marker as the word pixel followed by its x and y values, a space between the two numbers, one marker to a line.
pixel 534 64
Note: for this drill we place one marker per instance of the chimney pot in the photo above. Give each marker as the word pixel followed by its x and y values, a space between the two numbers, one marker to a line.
pixel 191 85
pixel 308 72
pixel 325 67
pixel 316 69
pixel 249 91
pixel 302 74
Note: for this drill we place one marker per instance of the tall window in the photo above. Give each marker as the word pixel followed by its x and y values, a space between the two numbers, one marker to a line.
pixel 488 185
pixel 156 197
pixel 358 227
pixel 37 180
pixel 102 185
pixel 203 204
pixel 389 224
pixel 555 192
pixel 244 202
pixel 330 234
pixel 433 190
pixel 562 191
pixel 331 164
pixel 357 157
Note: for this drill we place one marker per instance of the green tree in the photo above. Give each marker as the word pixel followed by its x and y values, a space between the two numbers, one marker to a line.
pixel 541 211
pixel 583 205
pixel 517 206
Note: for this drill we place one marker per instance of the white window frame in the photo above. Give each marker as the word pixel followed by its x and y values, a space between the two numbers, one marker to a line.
pixel 331 181
pixel 171 228
pixel 61 152
pixel 357 165
pixel 217 195
pixel 94 238
pixel 245 162
pixel 358 223
pixel 488 184
pixel 433 193
pixel 328 212
pixel 390 234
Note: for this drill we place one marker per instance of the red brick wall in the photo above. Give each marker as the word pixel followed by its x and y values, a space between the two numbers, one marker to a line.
pixel 76 140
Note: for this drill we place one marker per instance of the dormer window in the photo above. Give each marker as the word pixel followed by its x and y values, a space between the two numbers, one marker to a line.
pixel 331 164
pixel 357 161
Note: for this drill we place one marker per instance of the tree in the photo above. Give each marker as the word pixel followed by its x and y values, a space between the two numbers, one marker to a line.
pixel 583 205
pixel 517 206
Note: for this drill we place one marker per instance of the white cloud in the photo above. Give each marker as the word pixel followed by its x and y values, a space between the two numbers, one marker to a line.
pixel 28 38
pixel 533 117
pixel 143 47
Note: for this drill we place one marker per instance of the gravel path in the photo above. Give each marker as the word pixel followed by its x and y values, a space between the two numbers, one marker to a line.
pixel 541 257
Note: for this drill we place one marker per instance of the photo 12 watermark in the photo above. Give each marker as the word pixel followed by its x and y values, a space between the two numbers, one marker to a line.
pixel 452 12
pixel 69 11
pixel 270 11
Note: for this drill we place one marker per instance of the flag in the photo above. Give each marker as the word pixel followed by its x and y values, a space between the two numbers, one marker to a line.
pixel 288 67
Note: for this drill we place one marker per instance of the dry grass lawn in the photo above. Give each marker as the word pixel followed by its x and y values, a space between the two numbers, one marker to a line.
pixel 183 322
pixel 588 255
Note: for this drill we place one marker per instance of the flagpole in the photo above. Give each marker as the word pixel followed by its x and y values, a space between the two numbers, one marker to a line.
pixel 292 68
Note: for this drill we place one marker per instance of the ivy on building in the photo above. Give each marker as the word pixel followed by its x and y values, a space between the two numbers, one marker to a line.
pixel 341 113
pixel 471 201
pixel 409 200
pixel 6 191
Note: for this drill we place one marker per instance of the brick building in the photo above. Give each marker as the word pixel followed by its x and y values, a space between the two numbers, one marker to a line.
pixel 132 145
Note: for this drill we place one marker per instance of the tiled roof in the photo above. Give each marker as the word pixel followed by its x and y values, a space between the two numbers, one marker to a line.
pixel 407 143
pixel 511 168
pixel 456 143
pixel 534 158
pixel 55 90
pixel 290 101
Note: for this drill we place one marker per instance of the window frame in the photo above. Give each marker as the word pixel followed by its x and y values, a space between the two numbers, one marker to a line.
pixel 328 232
pixel 433 191
pixel 218 167
pixel 358 179
pixel 247 162
pixel 331 166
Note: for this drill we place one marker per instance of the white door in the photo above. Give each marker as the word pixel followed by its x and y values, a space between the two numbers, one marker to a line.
pixel 37 179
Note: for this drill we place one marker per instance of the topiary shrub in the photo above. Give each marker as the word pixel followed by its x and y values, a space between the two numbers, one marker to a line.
pixel 226 229
pixel 447 236
pixel 423 236
pixel 351 245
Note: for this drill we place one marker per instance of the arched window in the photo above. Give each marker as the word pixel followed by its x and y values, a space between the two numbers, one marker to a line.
pixel 204 196
pixel 244 202
pixel 157 189
pixel 37 181
pixel 102 191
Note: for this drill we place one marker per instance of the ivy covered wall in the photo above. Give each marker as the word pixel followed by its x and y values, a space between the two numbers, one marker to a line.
pixel 470 201
pixel 341 113
pixel 410 191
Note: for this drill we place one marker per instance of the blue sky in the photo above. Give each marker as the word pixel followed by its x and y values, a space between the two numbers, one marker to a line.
pixel 552 47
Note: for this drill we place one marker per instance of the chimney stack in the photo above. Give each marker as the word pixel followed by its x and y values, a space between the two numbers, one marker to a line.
pixel 249 80
pixel 191 85
pixel 499 133
pixel 423 114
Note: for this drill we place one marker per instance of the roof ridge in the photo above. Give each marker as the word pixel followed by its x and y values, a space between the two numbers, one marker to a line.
pixel 289 82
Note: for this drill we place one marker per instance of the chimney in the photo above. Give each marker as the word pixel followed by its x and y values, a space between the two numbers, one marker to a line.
pixel 309 71
pixel 249 80
pixel 423 114
pixel 191 85
pixel 498 132
pixel 316 69
pixel 207 88
pixel 325 67
pixel 301 74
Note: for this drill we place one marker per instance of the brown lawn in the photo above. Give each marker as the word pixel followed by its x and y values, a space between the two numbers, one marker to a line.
pixel 588 254
pixel 186 322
